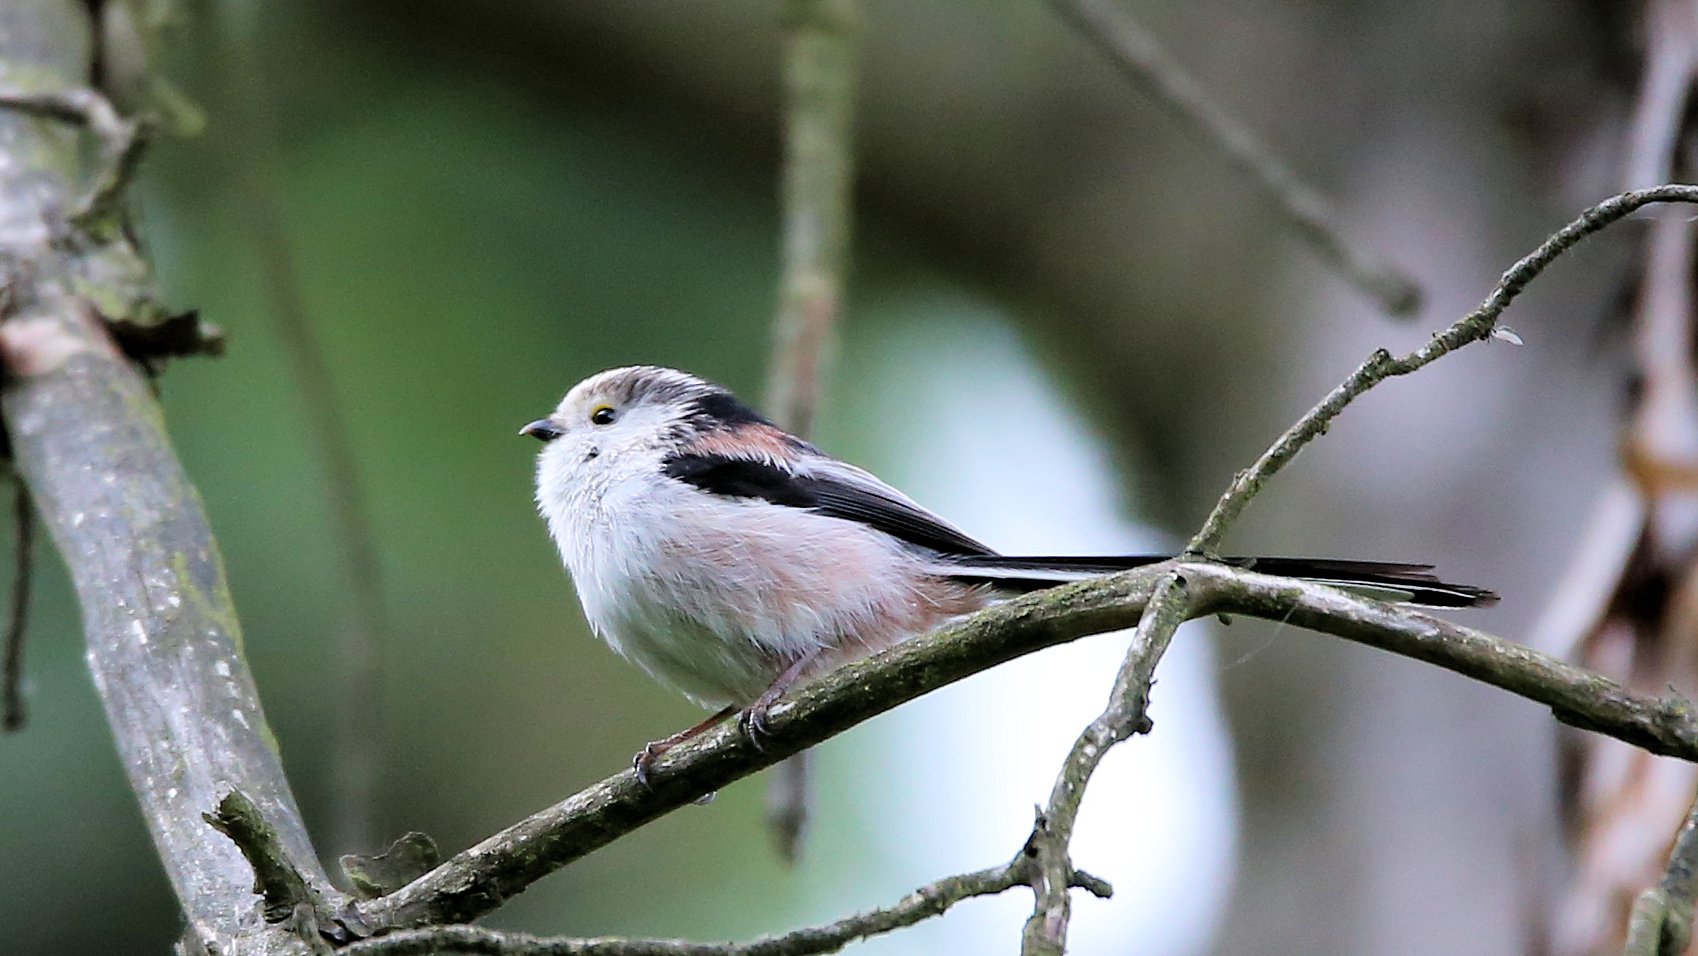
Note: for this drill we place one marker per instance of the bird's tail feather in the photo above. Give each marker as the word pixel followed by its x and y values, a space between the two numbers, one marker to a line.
pixel 1405 583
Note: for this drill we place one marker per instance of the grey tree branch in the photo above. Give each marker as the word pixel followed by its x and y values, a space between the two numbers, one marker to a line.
pixel 164 645
pixel 1661 922
pixel 1045 933
pixel 121 142
pixel 821 50
pixel 1143 62
pixel 478 880
pixel 1473 327
pixel 279 884
pixel 930 900
pixel 1671 58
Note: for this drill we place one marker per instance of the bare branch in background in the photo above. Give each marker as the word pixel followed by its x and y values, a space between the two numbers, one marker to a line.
pixel 17 621
pixel 1046 932
pixel 358 738
pixel 1139 58
pixel 821 47
pixel 1671 59
pixel 822 39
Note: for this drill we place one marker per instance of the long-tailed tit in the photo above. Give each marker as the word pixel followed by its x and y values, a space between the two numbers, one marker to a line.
pixel 730 559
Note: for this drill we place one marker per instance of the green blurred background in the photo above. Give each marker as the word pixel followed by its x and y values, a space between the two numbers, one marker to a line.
pixel 488 202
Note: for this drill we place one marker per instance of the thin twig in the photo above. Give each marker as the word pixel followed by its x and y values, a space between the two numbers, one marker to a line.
pixel 358 737
pixel 1045 933
pixel 1141 60
pixel 276 879
pixel 23 562
pixel 122 141
pixel 1473 327
pixel 821 50
pixel 928 901
pixel 476 881
pixel 1661 921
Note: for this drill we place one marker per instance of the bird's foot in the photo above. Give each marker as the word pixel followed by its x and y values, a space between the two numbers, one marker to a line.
pixel 753 722
pixel 643 762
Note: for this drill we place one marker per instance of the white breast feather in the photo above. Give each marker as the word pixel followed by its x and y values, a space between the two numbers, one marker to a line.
pixel 715 596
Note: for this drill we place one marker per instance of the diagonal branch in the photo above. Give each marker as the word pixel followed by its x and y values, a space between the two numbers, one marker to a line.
pixel 476 881
pixel 1046 931
pixel 276 879
pixel 89 440
pixel 1473 327
pixel 1143 62
pixel 1661 922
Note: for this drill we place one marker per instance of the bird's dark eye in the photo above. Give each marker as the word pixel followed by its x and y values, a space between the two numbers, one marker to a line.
pixel 603 415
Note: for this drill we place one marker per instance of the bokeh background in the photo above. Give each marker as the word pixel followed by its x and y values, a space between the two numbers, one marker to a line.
pixel 1068 324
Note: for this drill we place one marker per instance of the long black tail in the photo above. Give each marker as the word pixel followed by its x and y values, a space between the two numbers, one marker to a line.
pixel 1405 583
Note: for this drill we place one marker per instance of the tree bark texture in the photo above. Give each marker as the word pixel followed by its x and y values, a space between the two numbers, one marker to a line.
pixel 88 437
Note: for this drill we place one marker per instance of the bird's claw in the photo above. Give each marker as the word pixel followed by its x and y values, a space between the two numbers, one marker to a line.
pixel 753 722
pixel 643 762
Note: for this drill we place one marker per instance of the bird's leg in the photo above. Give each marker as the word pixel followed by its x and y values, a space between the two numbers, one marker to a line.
pixel 753 717
pixel 646 757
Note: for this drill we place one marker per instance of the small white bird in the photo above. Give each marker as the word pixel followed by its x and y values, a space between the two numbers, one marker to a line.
pixel 730 559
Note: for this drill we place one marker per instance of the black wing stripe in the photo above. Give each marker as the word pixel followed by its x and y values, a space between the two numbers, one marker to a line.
pixel 893 516
pixel 750 478
pixel 742 478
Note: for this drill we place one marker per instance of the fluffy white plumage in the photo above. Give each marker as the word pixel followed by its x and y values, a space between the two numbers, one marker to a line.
pixel 728 558
pixel 715 595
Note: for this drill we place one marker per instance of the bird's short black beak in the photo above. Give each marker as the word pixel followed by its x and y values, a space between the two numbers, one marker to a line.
pixel 542 430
